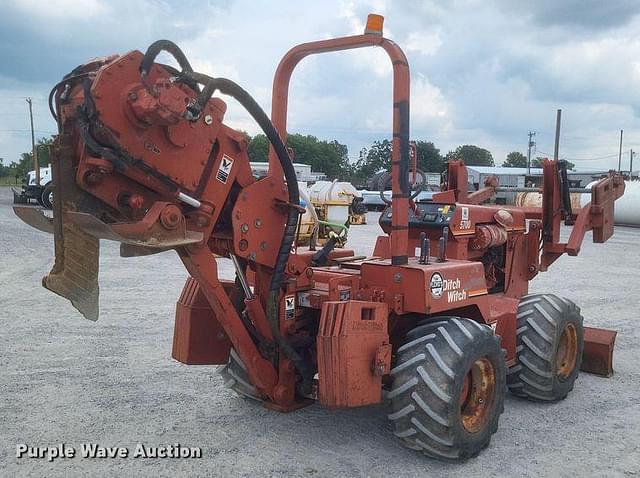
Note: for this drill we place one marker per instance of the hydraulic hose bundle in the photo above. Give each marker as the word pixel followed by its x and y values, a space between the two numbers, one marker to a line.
pixel 109 149
pixel 193 111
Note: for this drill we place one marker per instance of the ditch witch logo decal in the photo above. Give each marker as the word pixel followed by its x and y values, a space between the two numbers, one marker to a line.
pixel 290 307
pixel 438 286
pixel 224 169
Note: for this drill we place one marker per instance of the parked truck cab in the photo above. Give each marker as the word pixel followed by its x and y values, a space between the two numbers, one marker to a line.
pixel 42 193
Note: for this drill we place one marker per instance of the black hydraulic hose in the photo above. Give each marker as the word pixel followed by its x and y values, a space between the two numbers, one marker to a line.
pixel 120 159
pixel 174 50
pixel 321 257
pixel 565 193
pixel 163 45
pixel 67 79
pixel 234 90
pixel 208 90
pixel 109 154
pixel 230 88
pixel 180 78
pixel 52 108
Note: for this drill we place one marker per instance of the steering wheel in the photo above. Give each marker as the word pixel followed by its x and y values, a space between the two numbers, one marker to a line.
pixel 385 178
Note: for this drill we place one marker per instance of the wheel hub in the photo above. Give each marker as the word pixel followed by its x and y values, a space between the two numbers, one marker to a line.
pixel 567 351
pixel 477 395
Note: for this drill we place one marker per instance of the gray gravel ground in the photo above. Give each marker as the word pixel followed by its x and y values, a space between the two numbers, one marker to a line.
pixel 66 380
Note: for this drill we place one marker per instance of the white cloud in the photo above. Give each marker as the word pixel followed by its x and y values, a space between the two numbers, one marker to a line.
pixel 425 43
pixel 480 72
pixel 62 9
pixel 427 101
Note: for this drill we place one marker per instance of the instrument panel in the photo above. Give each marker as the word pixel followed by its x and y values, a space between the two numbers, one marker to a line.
pixel 428 216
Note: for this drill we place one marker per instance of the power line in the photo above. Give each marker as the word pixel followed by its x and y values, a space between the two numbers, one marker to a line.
pixel 27 131
pixel 14 97
pixel 594 159
pixel 585 159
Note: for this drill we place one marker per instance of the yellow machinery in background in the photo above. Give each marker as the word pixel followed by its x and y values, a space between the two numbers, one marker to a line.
pixel 331 207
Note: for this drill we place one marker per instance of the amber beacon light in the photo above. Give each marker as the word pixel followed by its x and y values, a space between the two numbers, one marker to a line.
pixel 374 24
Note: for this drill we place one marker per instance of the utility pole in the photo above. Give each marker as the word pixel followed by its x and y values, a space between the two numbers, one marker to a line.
pixel 631 155
pixel 556 148
pixel 531 145
pixel 34 150
pixel 620 152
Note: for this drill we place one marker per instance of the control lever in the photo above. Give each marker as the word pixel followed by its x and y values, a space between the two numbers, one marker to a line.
pixel 442 243
pixel 424 249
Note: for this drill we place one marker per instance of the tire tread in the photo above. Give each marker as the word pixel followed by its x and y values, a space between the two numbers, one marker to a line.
pixel 540 318
pixel 422 397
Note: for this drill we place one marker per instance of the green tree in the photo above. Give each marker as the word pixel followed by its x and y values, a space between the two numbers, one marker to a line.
pixel 429 158
pixel 537 163
pixel 329 157
pixel 378 158
pixel 373 160
pixel 258 149
pixel 471 155
pixel 25 163
pixel 515 159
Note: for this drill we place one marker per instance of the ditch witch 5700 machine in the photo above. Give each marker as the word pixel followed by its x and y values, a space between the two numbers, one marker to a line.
pixel 438 322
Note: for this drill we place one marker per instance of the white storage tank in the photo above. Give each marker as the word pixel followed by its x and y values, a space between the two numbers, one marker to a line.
pixel 335 197
pixel 309 219
pixel 627 208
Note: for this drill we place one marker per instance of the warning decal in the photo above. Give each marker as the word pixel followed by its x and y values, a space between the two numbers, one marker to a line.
pixel 289 307
pixel 465 222
pixel 224 169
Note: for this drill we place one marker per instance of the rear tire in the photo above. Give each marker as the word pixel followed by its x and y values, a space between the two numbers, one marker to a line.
pixel 235 377
pixel 549 344
pixel 448 388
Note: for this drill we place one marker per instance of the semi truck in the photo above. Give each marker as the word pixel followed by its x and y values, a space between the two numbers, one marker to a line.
pixel 41 193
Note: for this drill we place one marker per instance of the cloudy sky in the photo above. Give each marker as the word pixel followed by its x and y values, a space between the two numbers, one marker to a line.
pixel 482 72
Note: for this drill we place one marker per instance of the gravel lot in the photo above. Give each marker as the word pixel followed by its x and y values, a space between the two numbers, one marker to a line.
pixel 67 380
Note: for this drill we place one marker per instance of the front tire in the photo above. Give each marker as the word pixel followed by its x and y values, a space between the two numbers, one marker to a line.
pixel 549 344
pixel 46 199
pixel 448 388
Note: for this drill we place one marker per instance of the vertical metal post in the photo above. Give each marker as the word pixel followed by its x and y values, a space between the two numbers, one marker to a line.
pixel 529 146
pixel 556 148
pixel 34 150
pixel 620 152
pixel 631 154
